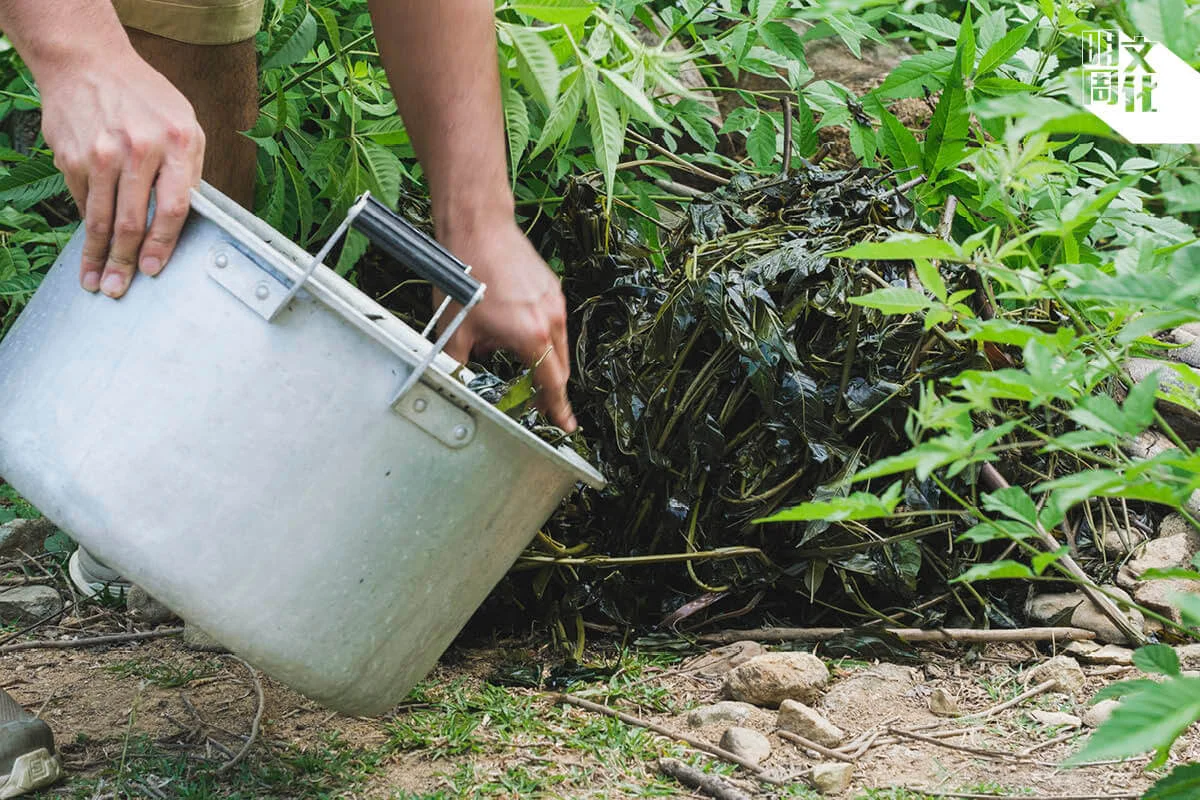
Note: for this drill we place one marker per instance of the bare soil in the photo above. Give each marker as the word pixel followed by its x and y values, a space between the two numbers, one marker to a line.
pixel 99 699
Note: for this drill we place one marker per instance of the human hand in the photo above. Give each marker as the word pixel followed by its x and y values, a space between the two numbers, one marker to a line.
pixel 523 311
pixel 119 129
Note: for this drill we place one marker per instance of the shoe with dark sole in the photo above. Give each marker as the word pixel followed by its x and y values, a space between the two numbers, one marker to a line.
pixel 27 757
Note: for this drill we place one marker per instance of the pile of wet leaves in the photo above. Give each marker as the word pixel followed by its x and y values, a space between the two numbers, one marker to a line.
pixel 727 381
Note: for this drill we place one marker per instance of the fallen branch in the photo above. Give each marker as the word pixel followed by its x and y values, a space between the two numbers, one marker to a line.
pixel 1041 688
pixel 258 715
pixel 910 635
pixel 67 644
pixel 711 785
pixel 970 796
pixel 759 772
pixel 991 477
pixel 999 755
pixel 796 738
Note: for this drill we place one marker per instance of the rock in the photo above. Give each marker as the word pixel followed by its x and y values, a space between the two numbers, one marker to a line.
pixel 1189 656
pixel 1096 715
pixel 944 704
pixel 1055 719
pixel 1065 671
pixel 807 722
pixel 869 696
pixel 196 639
pixel 24 536
pixel 1159 595
pixel 1184 420
pixel 144 608
pixel 833 777
pixel 1080 648
pixel 717 663
pixel 1188 336
pixel 1175 525
pixel 771 678
pixel 1167 552
pixel 1120 542
pixel 1053 609
pixel 726 711
pixel 1111 654
pixel 747 743
pixel 1147 445
pixel 1089 617
pixel 25 604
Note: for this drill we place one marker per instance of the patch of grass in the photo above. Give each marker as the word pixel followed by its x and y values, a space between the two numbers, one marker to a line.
pixel 13 506
pixel 332 769
pixel 998 789
pixel 163 674
pixel 892 794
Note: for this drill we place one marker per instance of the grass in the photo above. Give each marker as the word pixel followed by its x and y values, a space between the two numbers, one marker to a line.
pixel 163 674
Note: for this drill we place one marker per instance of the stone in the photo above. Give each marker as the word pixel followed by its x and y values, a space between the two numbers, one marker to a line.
pixel 145 608
pixel 1053 609
pixel 771 678
pixel 1183 420
pixel 1065 671
pixel 1175 525
pixel 726 711
pixel 869 696
pixel 1148 444
pixel 832 777
pixel 195 638
pixel 1159 595
pixel 944 704
pixel 1111 655
pixel 1080 648
pixel 746 743
pixel 1120 542
pixel 24 536
pixel 1167 552
pixel 1089 617
pixel 1096 715
pixel 717 663
pixel 27 604
pixel 1189 656
pixel 1188 336
pixel 808 722
pixel 1055 719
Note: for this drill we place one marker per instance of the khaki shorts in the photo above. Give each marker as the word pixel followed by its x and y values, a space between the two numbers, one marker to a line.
pixel 194 21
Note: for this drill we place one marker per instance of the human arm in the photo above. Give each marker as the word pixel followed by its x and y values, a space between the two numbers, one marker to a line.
pixel 118 129
pixel 441 62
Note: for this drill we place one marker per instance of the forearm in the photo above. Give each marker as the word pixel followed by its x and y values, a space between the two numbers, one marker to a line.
pixel 55 37
pixel 441 61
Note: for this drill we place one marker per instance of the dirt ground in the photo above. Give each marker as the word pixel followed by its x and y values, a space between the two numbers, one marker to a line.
pixel 154 719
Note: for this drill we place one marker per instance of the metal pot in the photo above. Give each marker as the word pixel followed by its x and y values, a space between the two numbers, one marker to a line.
pixel 273 455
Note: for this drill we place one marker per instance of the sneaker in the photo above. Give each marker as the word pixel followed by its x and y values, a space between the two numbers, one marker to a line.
pixel 93 577
pixel 27 757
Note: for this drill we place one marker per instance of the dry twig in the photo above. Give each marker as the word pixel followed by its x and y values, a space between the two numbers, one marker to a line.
pixel 711 785
pixel 815 747
pixel 67 644
pixel 910 635
pixel 258 714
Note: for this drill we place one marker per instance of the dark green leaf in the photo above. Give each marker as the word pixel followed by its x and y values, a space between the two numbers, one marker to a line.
pixel 1157 658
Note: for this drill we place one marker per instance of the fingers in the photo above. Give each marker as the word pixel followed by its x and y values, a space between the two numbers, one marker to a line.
pixel 100 201
pixel 551 375
pixel 170 212
pixel 129 226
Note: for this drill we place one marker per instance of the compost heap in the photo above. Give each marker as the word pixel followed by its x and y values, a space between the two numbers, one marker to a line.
pixel 730 382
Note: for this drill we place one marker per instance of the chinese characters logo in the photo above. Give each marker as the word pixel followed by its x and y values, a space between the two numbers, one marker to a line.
pixel 1116 72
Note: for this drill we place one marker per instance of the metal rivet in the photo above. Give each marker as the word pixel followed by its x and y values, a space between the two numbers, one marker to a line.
pixel 222 261
pixel 460 432
pixel 262 291
pixel 420 404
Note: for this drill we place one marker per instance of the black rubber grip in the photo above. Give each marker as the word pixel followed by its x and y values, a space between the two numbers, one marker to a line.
pixel 415 250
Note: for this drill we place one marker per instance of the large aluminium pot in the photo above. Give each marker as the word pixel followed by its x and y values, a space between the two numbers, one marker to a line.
pixel 230 436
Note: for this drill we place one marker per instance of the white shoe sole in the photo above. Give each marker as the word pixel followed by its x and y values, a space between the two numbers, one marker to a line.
pixel 92 588
pixel 31 771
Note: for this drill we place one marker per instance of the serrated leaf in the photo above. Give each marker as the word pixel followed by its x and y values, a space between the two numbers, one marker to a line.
pixel 916 73
pixel 994 571
pixel 31 182
pixel 608 133
pixel 760 142
pixel 894 300
pixel 898 142
pixel 930 278
pixel 1160 659
pixel 516 125
pixel 999 53
pixel 537 63
pixel 945 138
pixel 783 40
pixel 936 24
pixel 564 113
pixel 636 98
pixel 901 247
pixel 385 169
pixel 859 505
pixel 1149 719
pixel 700 129
pixel 1014 503
pixel 1182 783
pixel 292 39
pixel 571 13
